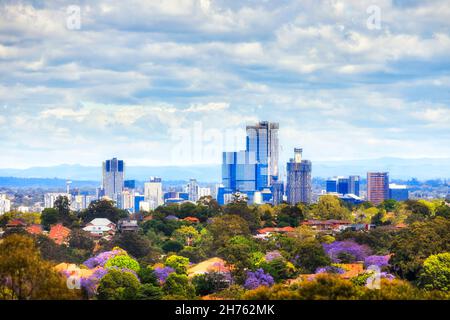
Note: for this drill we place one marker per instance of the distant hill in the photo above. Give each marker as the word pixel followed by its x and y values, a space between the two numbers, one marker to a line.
pixel 421 169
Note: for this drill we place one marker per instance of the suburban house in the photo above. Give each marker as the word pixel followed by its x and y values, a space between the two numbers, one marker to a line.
pixel 266 232
pixel 59 234
pixel 16 224
pixel 211 265
pixel 35 229
pixel 100 227
pixel 126 225
pixel 191 219
pixel 327 226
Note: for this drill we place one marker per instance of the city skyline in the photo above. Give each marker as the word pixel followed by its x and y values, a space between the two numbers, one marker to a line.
pixel 338 88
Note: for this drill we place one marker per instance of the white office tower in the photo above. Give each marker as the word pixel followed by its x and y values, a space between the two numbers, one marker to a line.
pixel 78 203
pixel 113 178
pixel 50 198
pixel 153 193
pixel 5 204
pixel 204 192
pixel 192 189
pixel 127 200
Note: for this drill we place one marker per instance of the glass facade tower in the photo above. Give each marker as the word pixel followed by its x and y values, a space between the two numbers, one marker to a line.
pixel 113 178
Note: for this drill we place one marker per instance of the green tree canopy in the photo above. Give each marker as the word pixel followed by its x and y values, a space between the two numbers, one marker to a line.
pixel 28 275
pixel 118 285
pixel 436 272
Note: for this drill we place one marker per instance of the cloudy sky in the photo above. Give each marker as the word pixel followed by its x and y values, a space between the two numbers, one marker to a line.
pixel 175 81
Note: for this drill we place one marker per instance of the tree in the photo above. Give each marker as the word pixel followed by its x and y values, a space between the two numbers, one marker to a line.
pixel 135 244
pixel 49 217
pixel 279 269
pixel 307 256
pixel 27 275
pixel 210 282
pixel 123 262
pixel 238 252
pixel 178 263
pixel 172 246
pixel 103 209
pixel 225 227
pixel 187 235
pixel 257 279
pixel 290 215
pixel 51 251
pixel 177 286
pixel 416 243
pixel 147 276
pixel 241 209
pixel 443 210
pixel 62 206
pixel 194 254
pixel 436 272
pixel 419 210
pixel 389 205
pixel 118 285
pixel 328 287
pixel 81 239
pixel 149 291
pixel 330 207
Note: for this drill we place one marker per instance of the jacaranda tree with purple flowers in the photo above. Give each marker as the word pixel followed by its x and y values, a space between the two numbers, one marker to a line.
pixel 163 273
pixel 379 261
pixel 257 279
pixel 346 251
pixel 101 259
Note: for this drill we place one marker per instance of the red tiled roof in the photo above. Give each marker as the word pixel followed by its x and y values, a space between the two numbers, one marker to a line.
pixel 59 233
pixel 192 219
pixel 16 223
pixel 285 229
pixel 325 222
pixel 34 229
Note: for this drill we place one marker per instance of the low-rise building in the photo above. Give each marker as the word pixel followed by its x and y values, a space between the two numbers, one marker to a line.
pixel 127 225
pixel 100 227
pixel 59 234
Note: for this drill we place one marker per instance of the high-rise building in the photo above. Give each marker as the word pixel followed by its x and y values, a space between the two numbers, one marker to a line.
pixel 5 204
pixel 129 184
pixel 50 198
pixel 299 181
pixel 204 192
pixel 256 168
pixel 343 185
pixel 377 187
pixel 262 139
pixel 277 192
pixel 398 192
pixel 138 199
pixel 353 185
pixel 239 170
pixel 331 185
pixel 192 189
pixel 153 192
pixel 113 178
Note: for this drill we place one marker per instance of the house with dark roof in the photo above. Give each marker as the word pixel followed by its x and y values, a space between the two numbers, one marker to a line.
pixel 127 225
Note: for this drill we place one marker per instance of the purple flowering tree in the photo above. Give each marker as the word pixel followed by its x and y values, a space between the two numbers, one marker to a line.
pixel 379 261
pixel 90 284
pixel 348 249
pixel 257 279
pixel 330 269
pixel 162 273
pixel 100 259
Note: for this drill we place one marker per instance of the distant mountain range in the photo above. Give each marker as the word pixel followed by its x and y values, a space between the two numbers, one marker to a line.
pixel 421 169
